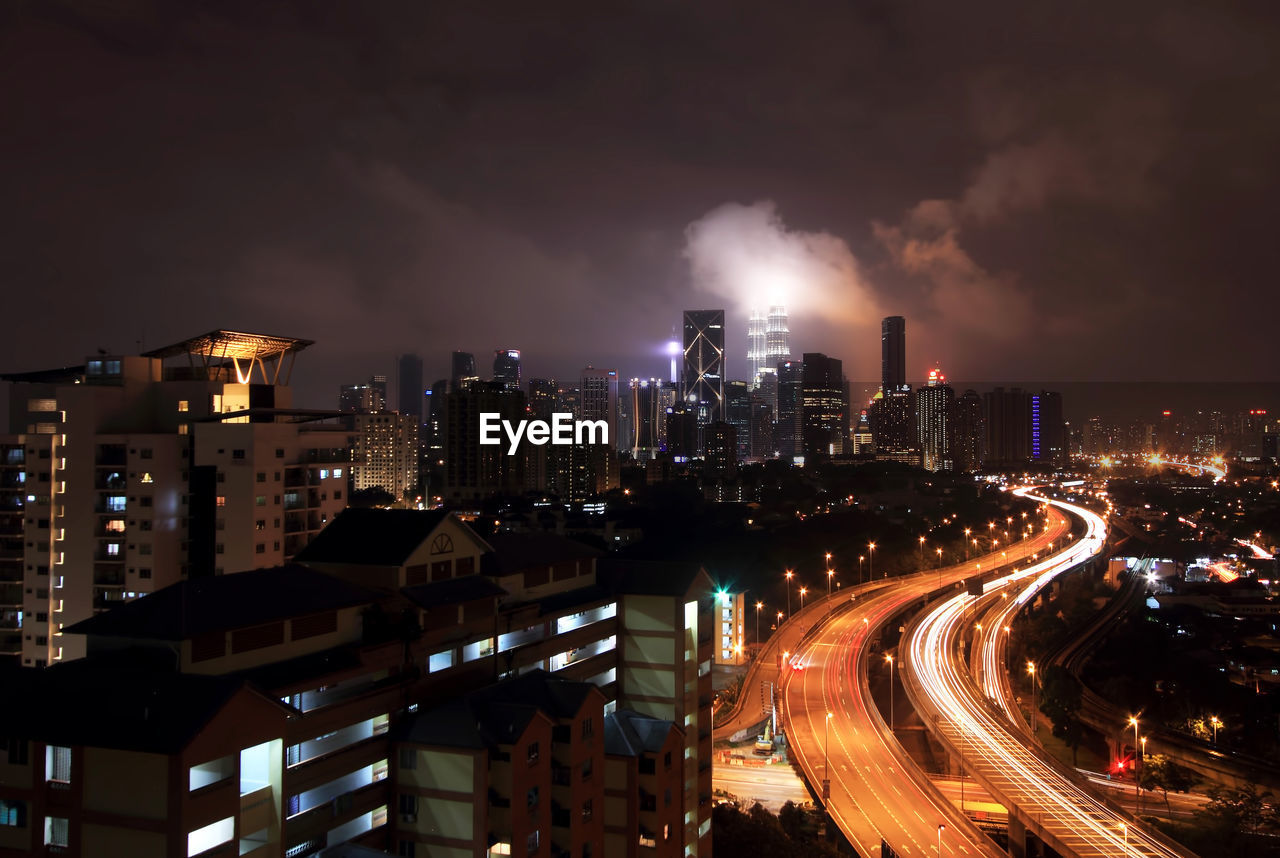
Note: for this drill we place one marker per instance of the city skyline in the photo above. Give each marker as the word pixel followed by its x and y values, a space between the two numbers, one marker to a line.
pixel 353 178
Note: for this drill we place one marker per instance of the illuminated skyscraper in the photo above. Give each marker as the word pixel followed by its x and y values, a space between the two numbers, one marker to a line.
pixel 822 404
pixel 968 432
pixel 600 402
pixel 768 343
pixel 934 404
pixel 704 363
pixel 506 367
pixel 789 434
pixel 463 370
pixel 893 414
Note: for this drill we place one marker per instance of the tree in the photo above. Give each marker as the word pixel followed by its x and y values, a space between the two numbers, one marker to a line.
pixel 1061 695
pixel 1160 772
pixel 1231 811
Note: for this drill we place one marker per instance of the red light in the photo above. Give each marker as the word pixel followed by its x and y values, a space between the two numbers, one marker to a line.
pixel 1167 413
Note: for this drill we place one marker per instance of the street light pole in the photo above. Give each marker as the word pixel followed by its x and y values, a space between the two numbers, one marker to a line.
pixel 889 658
pixel 1031 669
pixel 759 605
pixel 941 828
pixel 966 543
pixel 826 737
pixel 871 549
pixel 803 590
pixel 1137 797
pixel 830 572
pixel 790 575
pixel 860 559
pixel 939 550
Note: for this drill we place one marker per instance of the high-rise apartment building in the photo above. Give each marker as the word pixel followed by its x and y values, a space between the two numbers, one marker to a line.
pixel 1048 428
pixel 704 363
pixel 648 418
pixel 600 402
pixel 385 453
pixel 934 404
pixel 142 470
pixel 364 397
pixel 737 413
pixel 473 471
pixel 968 434
pixel 822 406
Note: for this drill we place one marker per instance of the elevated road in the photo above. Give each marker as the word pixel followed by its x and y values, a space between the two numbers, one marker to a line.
pixel 977 716
pixel 876 792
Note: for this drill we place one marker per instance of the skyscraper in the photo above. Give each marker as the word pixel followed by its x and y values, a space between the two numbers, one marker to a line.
pixel 893 353
pixel 648 418
pixel 462 370
pixel 506 367
pixel 365 398
pixel 737 413
pixel 409 386
pixel 822 405
pixel 934 403
pixel 1008 426
pixel 968 433
pixel 600 402
pixel 704 363
pixel 789 434
pixel 768 343
pixel 1048 429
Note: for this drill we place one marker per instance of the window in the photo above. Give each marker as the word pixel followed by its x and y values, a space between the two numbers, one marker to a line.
pixel 260 524
pixel 586 811
pixel 237 454
pixel 57 763
pixel 114 525
pixel 408 758
pixel 532 842
pixel 586 769
pixel 184 405
pixel 144 573
pixel 324 473
pixel 533 753
pixel 260 548
pixel 55 831
pixel 13 813
pixel 145 453
pixel 146 524
pixel 260 500
pixel 146 501
pixel 113 549
pixel 279 453
pixel 262 476
pixel 337 472
pixel 145 549
pixel 588 729
pixel 666 797
pixel 408 803
pixel 115 503
pixel 18 752
pixel 531 799
pixel 666 761
pixel 442 660
pixel 666 832
pixel 222 500
pixel 214 834
pixel 222 478
pixel 212 772
pixel 147 479
pixel 219 548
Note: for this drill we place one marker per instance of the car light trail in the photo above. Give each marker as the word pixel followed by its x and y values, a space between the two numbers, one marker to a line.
pixel 978 718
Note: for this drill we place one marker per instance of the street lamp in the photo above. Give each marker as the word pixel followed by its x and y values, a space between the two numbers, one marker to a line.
pixel 966 542
pixel 826 736
pixel 1137 797
pixel 1031 671
pixel 871 562
pixel 830 572
pixel 759 605
pixel 1213 720
pixel 861 557
pixel 1124 829
pixel 922 551
pixel 889 658
pixel 803 590
pixel 789 576
pixel 941 828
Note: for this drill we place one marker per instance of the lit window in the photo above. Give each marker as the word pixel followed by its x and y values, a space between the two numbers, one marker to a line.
pixel 337 472
pixel 215 834
pixel 113 549
pixel 13 813
pixel 55 831
pixel 146 478
pixel 324 473
pixel 57 764
pixel 115 503
pixel 184 405
pixel 222 500
pixel 114 525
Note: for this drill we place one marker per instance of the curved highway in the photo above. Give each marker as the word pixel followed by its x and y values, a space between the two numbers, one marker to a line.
pixel 983 721
pixel 876 791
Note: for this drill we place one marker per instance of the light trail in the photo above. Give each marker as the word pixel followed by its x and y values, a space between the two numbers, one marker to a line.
pixel 977 719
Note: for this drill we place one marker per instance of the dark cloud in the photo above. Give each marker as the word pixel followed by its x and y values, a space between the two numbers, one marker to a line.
pixel 1065 192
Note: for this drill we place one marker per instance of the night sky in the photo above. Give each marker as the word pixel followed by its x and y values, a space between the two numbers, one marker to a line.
pixel 1068 192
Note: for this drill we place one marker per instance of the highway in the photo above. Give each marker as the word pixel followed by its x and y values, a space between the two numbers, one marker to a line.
pixel 877 792
pixel 983 721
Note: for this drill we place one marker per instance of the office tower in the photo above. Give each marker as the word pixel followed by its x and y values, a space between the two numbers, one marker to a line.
pixel 408 690
pixel 863 442
pixel 893 426
pixel 506 367
pixel 761 428
pixel 757 356
pixel 768 343
pixel 1047 428
pixel 365 397
pixel 600 402
pixel 475 471
pixel 1008 427
pixel 777 339
pixel 385 453
pixel 968 434
pixel 648 418
pixel 543 397
pixel 433 417
pixel 737 413
pixel 822 407
pixel 185 461
pixel 789 434
pixel 934 403
pixel 682 433
pixel 893 353
pixel 704 363
pixel 409 385
pixel 462 370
